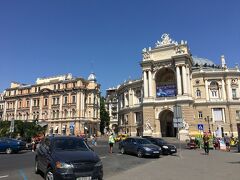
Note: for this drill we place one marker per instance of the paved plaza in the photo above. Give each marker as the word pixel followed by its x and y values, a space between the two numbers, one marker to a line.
pixel 192 164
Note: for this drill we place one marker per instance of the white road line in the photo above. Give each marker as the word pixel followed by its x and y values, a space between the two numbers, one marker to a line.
pixel 103 157
pixel 3 176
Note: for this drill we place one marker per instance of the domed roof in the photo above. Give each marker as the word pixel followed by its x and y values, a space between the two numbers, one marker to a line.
pixel 92 77
pixel 202 61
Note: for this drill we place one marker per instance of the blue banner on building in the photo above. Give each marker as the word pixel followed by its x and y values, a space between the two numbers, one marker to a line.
pixel 166 90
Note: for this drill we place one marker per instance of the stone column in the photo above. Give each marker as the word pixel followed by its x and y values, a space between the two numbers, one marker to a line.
pixel 145 83
pixel 207 92
pixel 229 90
pixel 189 81
pixel 30 113
pixel 238 92
pixel 110 110
pixel 60 108
pixel 179 82
pixel 81 104
pixel 78 104
pixel 133 97
pixel 184 78
pixel 150 83
pixel 223 90
pixel 15 109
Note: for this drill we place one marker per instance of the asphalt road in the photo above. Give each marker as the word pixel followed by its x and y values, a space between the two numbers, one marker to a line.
pixel 21 166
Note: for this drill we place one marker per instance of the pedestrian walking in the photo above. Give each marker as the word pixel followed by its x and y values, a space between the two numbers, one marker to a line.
pixel 111 142
pixel 227 142
pixel 206 143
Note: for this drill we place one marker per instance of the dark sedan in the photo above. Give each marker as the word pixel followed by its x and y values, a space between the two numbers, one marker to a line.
pixel 10 145
pixel 139 146
pixel 67 158
pixel 166 148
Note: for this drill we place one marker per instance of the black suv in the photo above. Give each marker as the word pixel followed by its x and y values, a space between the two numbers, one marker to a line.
pixel 67 157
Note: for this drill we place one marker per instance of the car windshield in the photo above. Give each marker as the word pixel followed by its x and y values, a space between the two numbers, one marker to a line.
pixel 161 141
pixel 143 141
pixel 70 145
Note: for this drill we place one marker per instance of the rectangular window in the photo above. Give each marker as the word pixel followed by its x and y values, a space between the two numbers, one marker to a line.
pixel 34 102
pixel 73 99
pixel 200 115
pixel 45 102
pixel 217 114
pixel 55 86
pixel 27 103
pixel 234 93
pixel 58 86
pixel 65 100
pixel 238 115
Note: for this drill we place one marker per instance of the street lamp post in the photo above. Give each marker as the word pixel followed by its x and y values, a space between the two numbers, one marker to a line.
pixel 207 119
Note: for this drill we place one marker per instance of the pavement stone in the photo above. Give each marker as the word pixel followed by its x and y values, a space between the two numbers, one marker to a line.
pixel 191 164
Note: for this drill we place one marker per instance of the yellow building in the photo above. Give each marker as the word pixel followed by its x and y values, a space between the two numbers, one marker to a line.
pixel 207 94
pixel 66 104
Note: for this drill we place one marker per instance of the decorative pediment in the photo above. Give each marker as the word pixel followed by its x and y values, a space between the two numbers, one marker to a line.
pixel 45 90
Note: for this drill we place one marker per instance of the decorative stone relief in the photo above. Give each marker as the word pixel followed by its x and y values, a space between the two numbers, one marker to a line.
pixel 165 40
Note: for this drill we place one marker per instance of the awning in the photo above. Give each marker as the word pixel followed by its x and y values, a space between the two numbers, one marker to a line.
pixel 56 128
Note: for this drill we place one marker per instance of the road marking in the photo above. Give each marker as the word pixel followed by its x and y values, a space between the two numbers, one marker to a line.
pixel 119 154
pixel 23 174
pixel 5 176
pixel 103 157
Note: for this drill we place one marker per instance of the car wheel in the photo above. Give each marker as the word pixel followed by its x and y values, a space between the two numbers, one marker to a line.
pixel 9 151
pixel 139 153
pixel 36 167
pixel 49 175
pixel 122 150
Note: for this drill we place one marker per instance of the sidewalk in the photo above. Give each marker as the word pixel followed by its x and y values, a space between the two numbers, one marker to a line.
pixel 192 164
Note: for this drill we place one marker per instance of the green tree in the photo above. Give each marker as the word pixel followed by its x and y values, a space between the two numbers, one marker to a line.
pixel 104 116
pixel 26 130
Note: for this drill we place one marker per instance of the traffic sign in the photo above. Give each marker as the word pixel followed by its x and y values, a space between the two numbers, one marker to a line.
pixel 178 125
pixel 177 120
pixel 200 127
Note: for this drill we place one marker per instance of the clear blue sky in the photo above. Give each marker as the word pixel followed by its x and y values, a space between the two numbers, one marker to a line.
pixel 52 37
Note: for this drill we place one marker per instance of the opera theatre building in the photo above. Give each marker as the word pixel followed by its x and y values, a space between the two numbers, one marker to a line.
pixel 208 94
pixel 67 105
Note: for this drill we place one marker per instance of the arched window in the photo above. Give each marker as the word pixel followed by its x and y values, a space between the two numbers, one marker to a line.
pixel 214 90
pixel 198 93
pixel 73 113
pixel 166 84
pixel 65 113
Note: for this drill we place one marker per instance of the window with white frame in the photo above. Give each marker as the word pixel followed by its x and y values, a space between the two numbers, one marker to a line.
pixel 217 114
pixel 234 93
pixel 238 115
pixel 200 115
pixel 198 93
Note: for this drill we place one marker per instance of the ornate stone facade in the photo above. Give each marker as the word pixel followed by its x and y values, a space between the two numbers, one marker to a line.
pixel 66 104
pixel 208 94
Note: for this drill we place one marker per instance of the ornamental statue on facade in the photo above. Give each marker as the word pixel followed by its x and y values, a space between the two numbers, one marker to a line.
pixel 165 40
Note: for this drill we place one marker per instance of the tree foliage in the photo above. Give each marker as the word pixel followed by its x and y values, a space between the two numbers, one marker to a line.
pixel 104 116
pixel 26 130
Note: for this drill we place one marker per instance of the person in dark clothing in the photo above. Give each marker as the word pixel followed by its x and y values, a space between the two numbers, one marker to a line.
pixel 206 143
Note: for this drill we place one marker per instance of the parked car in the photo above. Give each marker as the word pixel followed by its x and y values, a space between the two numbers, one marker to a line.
pixel 139 146
pixel 166 147
pixel 121 137
pixel 10 145
pixel 192 144
pixel 67 157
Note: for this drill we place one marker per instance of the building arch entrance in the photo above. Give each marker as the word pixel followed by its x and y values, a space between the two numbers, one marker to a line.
pixel 166 124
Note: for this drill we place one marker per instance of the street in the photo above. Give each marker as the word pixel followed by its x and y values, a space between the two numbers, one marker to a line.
pixel 188 164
